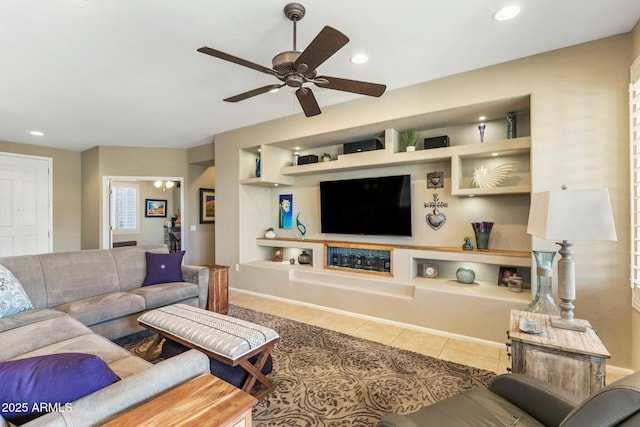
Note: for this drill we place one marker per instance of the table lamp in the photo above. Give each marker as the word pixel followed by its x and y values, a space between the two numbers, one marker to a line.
pixel 569 216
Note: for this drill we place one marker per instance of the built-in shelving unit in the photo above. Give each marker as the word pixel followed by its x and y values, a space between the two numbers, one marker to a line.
pixel 400 288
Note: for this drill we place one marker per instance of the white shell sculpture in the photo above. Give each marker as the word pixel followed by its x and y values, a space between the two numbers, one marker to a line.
pixel 485 178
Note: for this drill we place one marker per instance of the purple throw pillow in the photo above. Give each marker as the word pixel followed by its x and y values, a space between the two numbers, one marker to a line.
pixel 35 385
pixel 163 268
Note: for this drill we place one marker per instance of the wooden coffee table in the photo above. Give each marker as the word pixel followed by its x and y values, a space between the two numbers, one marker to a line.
pixel 202 401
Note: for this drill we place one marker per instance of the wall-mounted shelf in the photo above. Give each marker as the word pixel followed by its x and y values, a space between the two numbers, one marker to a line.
pixel 272 159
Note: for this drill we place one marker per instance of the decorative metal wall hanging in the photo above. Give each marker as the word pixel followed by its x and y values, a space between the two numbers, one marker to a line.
pixel 436 219
pixel 435 180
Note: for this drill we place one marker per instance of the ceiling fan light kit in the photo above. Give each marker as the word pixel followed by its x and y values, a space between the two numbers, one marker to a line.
pixel 295 68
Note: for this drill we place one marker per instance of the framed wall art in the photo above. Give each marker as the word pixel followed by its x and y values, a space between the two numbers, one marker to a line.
pixel 207 205
pixel 155 208
pixel 285 211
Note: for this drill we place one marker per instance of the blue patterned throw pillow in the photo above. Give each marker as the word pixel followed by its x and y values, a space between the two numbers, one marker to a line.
pixel 13 298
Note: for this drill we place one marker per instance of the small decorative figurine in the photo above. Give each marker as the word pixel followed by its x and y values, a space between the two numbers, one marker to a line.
pixel 467 245
pixel 302 230
pixel 481 128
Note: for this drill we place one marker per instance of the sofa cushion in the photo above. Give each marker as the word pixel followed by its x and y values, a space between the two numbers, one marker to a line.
pixel 13 298
pixel 70 276
pixel 166 293
pixel 101 308
pixel 28 317
pixel 27 269
pixel 38 384
pixel 163 268
pixel 131 264
pixel 19 341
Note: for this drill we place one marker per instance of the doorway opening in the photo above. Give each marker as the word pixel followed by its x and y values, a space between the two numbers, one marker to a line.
pixel 141 210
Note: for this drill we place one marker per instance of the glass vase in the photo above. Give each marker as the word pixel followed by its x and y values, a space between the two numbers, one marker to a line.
pixel 543 302
pixel 482 231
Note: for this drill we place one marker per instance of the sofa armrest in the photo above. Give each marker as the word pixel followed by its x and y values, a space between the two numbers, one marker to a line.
pixel 121 396
pixel 545 402
pixel 199 275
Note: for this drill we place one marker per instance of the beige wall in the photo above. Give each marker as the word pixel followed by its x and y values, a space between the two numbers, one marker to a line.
pixel 635 74
pixel 66 192
pixel 579 127
pixel 635 35
pixel 202 241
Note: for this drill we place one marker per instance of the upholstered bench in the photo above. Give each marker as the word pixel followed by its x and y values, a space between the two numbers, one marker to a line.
pixel 224 338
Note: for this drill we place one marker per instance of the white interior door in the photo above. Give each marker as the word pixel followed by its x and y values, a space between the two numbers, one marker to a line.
pixel 25 205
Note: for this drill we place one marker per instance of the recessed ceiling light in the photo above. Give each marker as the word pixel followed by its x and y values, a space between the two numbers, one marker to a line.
pixel 359 58
pixel 507 12
pixel 482 118
pixel 36 133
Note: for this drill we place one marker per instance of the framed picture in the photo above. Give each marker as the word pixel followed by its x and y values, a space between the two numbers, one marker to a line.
pixel 155 208
pixel 277 254
pixel 504 275
pixel 285 211
pixel 207 205
pixel 429 270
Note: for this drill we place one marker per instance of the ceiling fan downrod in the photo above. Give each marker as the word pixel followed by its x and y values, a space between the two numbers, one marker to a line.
pixel 294 12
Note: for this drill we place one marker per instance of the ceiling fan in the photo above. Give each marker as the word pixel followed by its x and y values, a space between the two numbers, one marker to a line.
pixel 294 68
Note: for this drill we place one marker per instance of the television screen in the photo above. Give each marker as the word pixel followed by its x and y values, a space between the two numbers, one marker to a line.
pixel 375 206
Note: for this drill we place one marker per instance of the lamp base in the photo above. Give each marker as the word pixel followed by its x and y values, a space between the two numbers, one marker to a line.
pixel 574 325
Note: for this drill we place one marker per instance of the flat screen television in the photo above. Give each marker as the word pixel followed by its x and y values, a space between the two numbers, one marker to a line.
pixel 374 206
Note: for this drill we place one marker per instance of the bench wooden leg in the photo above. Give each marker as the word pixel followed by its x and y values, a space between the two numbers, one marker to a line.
pixel 255 373
pixel 154 344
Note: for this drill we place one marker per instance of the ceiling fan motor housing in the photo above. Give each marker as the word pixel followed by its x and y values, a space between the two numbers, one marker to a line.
pixel 287 72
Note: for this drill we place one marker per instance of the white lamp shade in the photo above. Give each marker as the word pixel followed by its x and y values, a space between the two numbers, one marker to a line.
pixel 573 215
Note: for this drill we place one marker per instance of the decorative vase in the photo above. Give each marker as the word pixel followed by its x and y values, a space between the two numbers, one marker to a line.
pixel 270 234
pixel 467 245
pixel 465 275
pixel 482 231
pixel 511 125
pixel 411 148
pixel 304 258
pixel 258 167
pixel 543 301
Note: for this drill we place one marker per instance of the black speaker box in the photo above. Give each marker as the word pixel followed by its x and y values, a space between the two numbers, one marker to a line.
pixel 436 142
pixel 359 146
pixel 305 160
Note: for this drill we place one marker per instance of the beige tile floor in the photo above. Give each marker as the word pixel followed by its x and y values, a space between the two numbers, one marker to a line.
pixel 492 358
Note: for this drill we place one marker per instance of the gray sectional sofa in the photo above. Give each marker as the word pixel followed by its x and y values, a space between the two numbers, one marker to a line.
pixel 84 299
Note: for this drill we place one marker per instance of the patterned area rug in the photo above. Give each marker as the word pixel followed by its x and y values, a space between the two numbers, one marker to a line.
pixel 329 379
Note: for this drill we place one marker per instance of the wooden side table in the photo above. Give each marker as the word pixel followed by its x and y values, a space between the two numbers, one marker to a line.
pixel 218 299
pixel 574 361
pixel 202 401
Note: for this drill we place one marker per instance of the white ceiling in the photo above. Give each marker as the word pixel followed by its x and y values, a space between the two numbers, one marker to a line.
pixel 126 72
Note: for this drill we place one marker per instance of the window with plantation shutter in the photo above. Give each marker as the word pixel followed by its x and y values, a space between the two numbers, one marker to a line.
pixel 126 208
pixel 634 157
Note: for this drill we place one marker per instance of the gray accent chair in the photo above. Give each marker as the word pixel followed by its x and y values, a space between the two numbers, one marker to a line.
pixel 519 400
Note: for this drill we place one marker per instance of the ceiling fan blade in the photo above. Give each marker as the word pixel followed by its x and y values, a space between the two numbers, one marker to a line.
pixel 326 43
pixel 236 60
pixel 354 86
pixel 253 92
pixel 308 102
